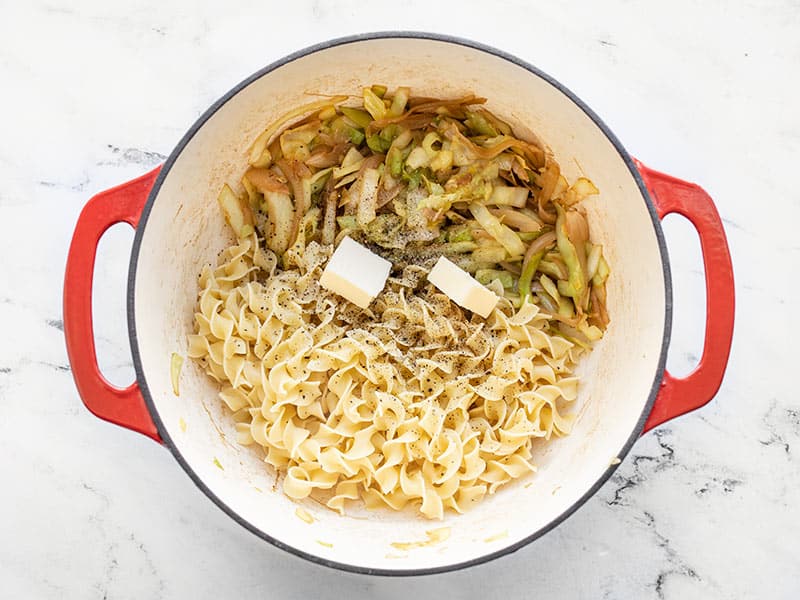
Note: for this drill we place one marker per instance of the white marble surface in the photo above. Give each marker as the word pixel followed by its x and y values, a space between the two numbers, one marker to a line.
pixel 94 93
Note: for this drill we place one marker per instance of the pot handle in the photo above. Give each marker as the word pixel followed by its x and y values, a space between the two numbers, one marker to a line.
pixel 125 407
pixel 678 396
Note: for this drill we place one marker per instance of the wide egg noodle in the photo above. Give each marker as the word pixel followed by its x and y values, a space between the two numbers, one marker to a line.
pixel 411 402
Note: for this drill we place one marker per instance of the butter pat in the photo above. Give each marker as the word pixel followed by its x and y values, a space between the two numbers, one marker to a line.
pixel 462 288
pixel 356 273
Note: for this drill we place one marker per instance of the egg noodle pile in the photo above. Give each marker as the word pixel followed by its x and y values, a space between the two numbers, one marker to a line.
pixel 411 402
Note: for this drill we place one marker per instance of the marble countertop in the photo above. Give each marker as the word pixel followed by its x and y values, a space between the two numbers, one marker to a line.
pixel 95 93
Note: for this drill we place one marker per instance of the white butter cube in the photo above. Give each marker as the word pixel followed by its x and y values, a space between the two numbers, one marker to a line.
pixel 356 273
pixel 462 288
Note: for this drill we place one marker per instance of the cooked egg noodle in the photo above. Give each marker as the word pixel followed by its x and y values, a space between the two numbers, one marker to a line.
pixel 411 402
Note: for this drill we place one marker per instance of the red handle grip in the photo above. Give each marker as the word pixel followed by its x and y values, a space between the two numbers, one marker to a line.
pixel 678 396
pixel 126 406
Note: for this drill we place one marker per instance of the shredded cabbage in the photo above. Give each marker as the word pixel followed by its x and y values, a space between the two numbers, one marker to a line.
pixel 418 177
pixel 175 364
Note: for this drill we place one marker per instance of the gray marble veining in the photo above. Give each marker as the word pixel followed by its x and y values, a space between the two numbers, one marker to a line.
pixel 95 93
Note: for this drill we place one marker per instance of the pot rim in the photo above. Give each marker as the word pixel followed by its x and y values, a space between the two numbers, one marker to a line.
pixel 137 242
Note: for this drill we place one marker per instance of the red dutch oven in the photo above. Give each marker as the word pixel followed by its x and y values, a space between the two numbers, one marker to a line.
pixel 625 389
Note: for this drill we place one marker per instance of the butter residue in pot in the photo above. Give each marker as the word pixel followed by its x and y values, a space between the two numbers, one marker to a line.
pixel 435 536
pixel 303 515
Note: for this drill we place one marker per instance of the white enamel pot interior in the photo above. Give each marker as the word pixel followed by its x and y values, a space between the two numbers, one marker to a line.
pixel 182 229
